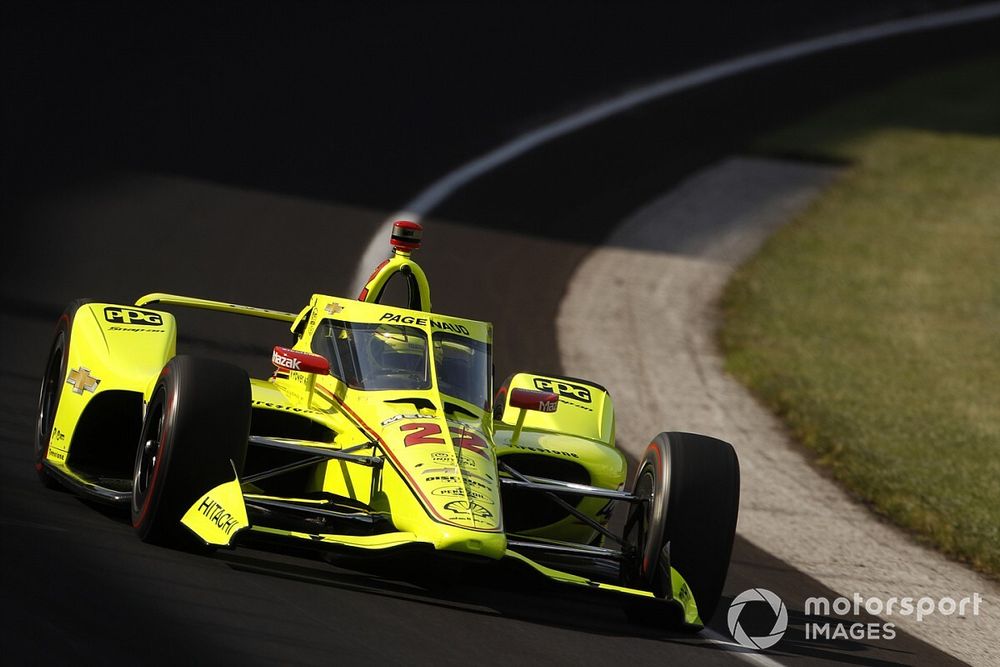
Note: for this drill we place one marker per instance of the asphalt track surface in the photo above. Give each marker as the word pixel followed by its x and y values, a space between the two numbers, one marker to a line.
pixel 248 156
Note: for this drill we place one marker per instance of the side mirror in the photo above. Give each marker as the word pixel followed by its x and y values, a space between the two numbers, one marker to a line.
pixel 529 399
pixel 294 360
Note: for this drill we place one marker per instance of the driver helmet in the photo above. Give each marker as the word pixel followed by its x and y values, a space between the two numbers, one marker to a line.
pixel 393 351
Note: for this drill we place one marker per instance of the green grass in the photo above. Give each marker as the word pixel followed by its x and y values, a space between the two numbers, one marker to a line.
pixel 871 323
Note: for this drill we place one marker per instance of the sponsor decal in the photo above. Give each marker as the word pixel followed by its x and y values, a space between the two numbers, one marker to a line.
pixel 423 433
pixel 485 477
pixel 287 408
pixel 333 308
pixel 424 321
pixel 81 380
pixel 57 435
pixel 283 361
pixel 563 388
pixel 453 479
pixel 438 471
pixel 465 439
pixel 136 330
pixel 56 455
pixel 546 450
pixel 443 457
pixel 481 497
pixel 218 515
pixel 459 492
pixel 468 507
pixel 146 318
pixel 450 491
pixel 396 418
pixel 429 433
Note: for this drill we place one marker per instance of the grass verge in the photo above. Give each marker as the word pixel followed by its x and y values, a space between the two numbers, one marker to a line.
pixel 871 324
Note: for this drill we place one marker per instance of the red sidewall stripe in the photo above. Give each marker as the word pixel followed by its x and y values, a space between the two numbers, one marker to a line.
pixel 147 501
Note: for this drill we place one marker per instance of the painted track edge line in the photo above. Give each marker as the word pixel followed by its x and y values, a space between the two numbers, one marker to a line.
pixel 738 651
pixel 444 187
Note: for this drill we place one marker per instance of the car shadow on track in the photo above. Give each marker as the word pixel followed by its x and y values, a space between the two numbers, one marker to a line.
pixel 499 590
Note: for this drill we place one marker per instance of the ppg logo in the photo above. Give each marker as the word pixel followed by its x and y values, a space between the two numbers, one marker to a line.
pixel 566 389
pixel 133 316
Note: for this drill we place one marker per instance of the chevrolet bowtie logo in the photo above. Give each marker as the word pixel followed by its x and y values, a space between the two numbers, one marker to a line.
pixel 81 379
pixel 334 308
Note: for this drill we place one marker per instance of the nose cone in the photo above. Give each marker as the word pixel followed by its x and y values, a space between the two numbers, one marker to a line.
pixel 488 545
pixel 452 469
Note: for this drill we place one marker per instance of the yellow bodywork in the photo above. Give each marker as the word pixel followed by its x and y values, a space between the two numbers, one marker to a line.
pixel 218 515
pixel 114 348
pixel 440 482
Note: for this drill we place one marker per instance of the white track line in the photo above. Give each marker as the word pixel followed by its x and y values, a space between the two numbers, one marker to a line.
pixel 444 187
pixel 747 655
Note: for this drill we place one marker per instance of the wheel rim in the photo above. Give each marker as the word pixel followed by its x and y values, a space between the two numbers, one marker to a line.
pixel 150 444
pixel 49 399
pixel 637 524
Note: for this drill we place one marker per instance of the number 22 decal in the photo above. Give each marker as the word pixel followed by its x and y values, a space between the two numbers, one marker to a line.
pixel 423 434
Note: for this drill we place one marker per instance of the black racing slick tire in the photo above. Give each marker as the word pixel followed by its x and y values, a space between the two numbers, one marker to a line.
pixel 692 486
pixel 53 380
pixel 193 437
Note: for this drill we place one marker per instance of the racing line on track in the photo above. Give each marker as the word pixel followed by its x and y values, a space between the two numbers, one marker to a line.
pixel 439 191
pixel 436 193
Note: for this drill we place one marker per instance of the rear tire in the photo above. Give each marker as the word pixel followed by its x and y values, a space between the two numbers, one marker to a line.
pixel 692 482
pixel 52 388
pixel 193 437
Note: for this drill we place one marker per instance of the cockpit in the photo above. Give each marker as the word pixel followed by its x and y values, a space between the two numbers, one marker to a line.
pixel 387 356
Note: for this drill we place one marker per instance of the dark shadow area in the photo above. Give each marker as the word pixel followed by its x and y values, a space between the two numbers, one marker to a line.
pixel 752 567
pixel 495 589
pixel 575 186
pixel 360 102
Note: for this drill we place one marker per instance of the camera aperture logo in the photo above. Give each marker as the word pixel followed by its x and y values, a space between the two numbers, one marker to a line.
pixel 780 619
pixel 840 618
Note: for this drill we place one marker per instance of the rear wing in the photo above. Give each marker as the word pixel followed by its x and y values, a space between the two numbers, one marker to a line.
pixel 220 306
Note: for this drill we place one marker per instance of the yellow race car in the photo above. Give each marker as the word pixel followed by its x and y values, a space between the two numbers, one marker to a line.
pixel 380 432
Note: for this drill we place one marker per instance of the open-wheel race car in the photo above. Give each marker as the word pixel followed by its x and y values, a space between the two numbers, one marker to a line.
pixel 380 431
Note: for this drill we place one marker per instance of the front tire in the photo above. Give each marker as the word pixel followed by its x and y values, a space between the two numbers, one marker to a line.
pixel 52 388
pixel 692 486
pixel 193 437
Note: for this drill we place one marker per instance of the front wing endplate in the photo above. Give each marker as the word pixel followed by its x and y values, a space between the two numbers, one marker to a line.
pixel 219 514
pixel 681 594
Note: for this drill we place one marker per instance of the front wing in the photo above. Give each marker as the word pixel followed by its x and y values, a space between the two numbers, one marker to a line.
pixel 220 514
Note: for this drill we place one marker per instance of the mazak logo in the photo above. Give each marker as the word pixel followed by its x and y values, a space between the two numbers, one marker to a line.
pixel 758 642
pixel 282 361
pixel 133 316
